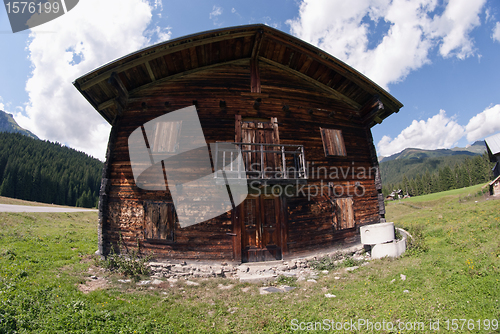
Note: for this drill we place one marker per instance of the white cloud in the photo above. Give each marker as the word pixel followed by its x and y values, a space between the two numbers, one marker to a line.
pixel 489 16
pixel 496 32
pixel 214 15
pixel 4 106
pixel 343 29
pixel 484 124
pixel 92 34
pixel 158 4
pixel 454 26
pixel 439 131
pixel 162 34
pixel 216 11
pixel 233 10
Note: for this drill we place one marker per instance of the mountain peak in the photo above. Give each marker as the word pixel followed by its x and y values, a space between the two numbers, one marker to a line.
pixel 9 124
pixel 416 153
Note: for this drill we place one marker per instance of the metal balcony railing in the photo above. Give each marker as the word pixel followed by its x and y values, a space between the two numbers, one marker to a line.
pixel 266 162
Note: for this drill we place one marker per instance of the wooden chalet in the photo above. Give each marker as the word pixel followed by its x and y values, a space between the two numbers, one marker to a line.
pixel 285 103
pixel 493 149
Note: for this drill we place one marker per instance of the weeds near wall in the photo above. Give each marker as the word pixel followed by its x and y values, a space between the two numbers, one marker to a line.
pixel 325 263
pixel 335 262
pixel 350 262
pixel 128 263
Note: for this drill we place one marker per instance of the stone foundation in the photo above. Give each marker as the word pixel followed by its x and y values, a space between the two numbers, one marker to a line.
pixel 301 268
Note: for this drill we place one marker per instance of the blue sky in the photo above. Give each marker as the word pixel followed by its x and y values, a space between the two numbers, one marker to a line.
pixel 439 58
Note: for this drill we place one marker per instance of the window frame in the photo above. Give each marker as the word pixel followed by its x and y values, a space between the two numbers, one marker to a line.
pixel 171 222
pixel 329 134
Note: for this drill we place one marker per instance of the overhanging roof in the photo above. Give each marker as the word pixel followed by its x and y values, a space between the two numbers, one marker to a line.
pixel 493 145
pixel 175 58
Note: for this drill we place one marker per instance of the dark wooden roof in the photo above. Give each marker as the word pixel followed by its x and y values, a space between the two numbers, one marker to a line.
pixel 175 58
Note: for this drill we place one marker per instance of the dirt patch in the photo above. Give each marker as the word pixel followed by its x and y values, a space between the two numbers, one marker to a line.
pixel 93 284
pixel 94 280
pixel 87 258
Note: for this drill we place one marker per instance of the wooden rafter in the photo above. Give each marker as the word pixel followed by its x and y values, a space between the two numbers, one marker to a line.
pixel 356 77
pixel 117 83
pixel 106 104
pixel 378 120
pixel 122 92
pixel 111 102
pixel 150 71
pixel 257 43
pixel 320 85
pixel 371 110
pixel 254 63
pixel 156 54
pixel 183 74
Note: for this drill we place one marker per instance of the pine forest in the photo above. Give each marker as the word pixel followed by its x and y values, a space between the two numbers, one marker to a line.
pixel 47 172
pixel 468 172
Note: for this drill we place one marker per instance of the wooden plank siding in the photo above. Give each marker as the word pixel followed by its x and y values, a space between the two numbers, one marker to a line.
pixel 310 223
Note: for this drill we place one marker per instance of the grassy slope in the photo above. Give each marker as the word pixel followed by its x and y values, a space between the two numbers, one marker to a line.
pixel 43 258
pixel 15 201
pixel 392 171
pixel 447 195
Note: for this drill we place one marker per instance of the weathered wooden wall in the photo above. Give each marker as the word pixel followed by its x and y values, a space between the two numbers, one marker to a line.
pixel 309 220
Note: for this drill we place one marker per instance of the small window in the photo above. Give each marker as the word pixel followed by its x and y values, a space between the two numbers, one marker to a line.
pixel 159 221
pixel 333 142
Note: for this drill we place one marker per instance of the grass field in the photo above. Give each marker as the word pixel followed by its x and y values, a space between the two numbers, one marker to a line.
pixel 462 193
pixel 15 201
pixel 452 272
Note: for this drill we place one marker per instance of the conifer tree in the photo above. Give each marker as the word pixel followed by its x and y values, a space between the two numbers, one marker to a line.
pixel 46 172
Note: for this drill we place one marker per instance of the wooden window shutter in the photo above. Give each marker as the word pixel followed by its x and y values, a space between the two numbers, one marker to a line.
pixel 344 213
pixel 159 221
pixel 333 142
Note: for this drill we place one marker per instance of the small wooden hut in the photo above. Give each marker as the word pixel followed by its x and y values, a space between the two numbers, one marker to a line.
pixel 284 102
pixel 495 186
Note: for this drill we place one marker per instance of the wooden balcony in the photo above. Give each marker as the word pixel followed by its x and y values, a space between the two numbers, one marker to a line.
pixel 262 163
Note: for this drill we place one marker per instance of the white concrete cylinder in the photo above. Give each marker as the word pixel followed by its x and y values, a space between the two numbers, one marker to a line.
pixel 390 249
pixel 377 233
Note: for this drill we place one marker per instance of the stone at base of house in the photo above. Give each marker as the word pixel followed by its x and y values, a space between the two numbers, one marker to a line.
pixel 252 272
pixel 168 270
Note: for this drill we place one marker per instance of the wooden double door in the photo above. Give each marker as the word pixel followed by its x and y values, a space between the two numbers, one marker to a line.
pixel 255 131
pixel 261 219
pixel 262 230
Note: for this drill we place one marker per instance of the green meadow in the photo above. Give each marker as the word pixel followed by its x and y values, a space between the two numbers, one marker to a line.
pixel 451 279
